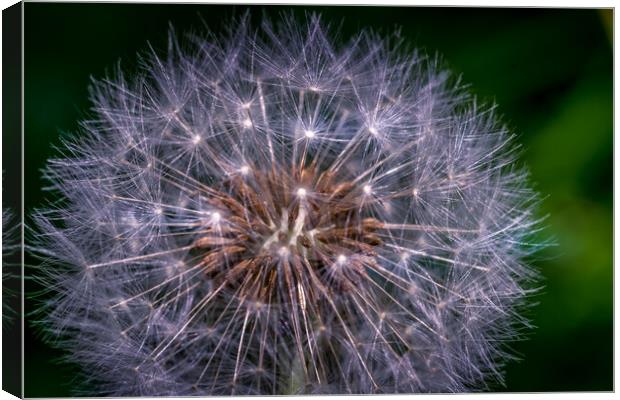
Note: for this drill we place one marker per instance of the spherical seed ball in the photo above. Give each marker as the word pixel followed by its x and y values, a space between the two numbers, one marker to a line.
pixel 267 212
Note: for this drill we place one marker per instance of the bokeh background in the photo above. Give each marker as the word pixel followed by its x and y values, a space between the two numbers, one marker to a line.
pixel 550 71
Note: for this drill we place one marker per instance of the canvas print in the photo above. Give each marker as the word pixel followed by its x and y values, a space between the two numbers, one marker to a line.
pixel 230 200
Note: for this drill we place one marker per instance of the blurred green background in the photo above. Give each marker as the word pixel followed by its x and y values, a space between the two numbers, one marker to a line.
pixel 550 71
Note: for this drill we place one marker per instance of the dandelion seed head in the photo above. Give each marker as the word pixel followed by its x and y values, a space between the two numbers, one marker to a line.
pixel 279 263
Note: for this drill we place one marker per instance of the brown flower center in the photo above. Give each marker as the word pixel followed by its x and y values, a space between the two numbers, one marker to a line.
pixel 282 236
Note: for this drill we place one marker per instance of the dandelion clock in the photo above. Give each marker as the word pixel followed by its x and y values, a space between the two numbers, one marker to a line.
pixel 271 211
